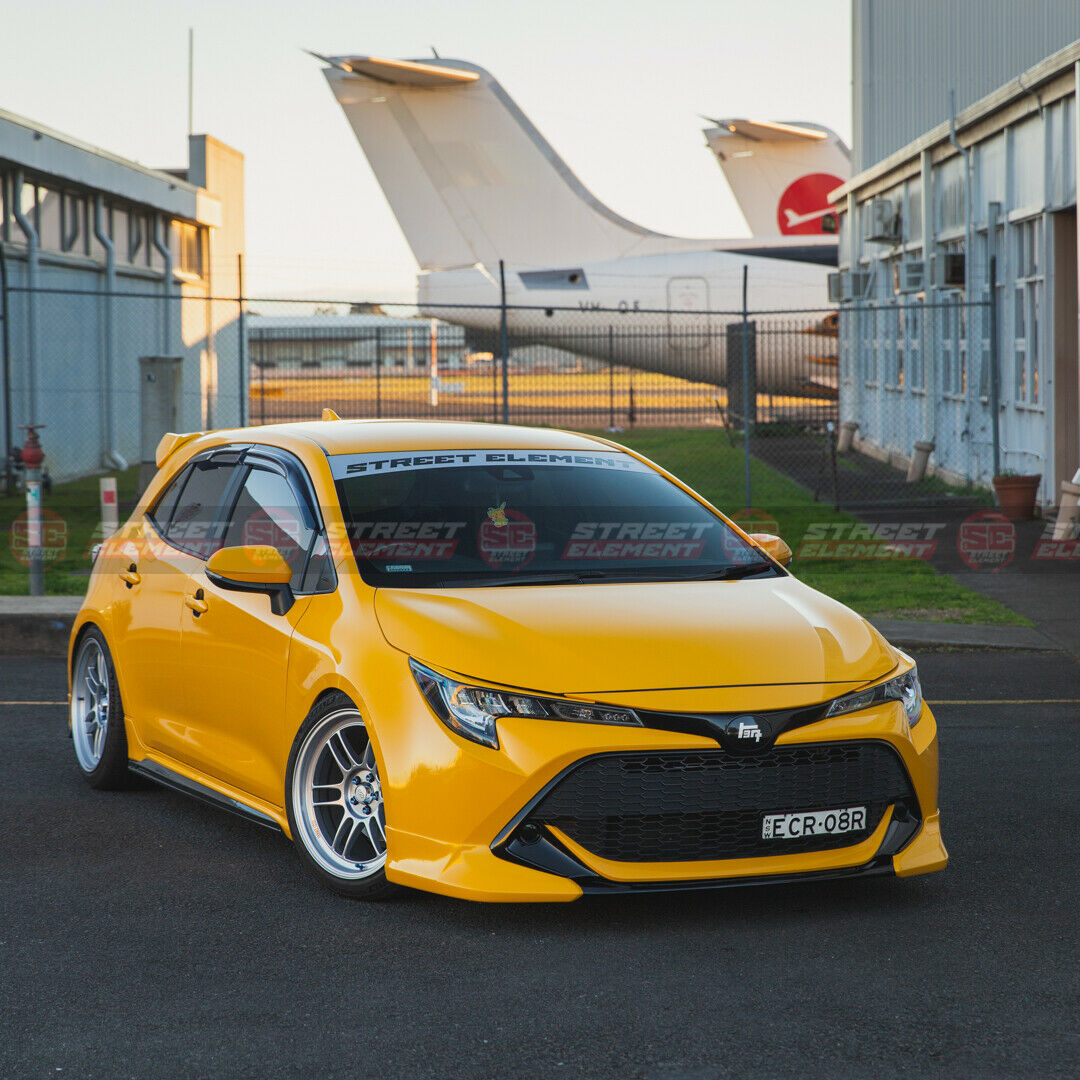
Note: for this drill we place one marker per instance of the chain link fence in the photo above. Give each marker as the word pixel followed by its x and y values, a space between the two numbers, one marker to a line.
pixel 838 400
pixel 557 367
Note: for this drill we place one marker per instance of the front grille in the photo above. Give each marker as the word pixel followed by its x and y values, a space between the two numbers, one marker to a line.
pixel 686 805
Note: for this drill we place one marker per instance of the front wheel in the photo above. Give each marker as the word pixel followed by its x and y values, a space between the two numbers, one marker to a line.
pixel 334 800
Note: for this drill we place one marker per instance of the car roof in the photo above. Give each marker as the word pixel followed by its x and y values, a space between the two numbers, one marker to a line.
pixel 357 436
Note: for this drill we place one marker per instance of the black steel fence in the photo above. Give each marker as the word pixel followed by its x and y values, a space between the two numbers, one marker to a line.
pixel 568 368
pixel 782 384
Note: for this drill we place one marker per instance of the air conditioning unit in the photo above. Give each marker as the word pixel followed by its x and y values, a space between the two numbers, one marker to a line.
pixel 860 284
pixel 912 277
pixel 884 226
pixel 837 285
pixel 949 270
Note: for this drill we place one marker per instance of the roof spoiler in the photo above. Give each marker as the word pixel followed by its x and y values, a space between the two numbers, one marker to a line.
pixel 171 442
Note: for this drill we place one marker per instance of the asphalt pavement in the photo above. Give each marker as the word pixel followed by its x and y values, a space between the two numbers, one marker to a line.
pixel 143 934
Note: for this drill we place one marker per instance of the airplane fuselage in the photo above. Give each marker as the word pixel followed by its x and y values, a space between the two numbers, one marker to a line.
pixel 667 313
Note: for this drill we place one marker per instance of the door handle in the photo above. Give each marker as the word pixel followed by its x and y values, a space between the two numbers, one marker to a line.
pixel 130 576
pixel 197 604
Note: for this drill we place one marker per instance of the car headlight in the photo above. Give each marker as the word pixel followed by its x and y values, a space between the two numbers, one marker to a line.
pixel 904 688
pixel 472 711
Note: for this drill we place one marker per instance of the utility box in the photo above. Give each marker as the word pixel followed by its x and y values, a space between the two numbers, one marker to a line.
pixel 159 408
pixel 734 374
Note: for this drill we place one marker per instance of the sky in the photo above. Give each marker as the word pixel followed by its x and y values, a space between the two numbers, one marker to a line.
pixel 617 86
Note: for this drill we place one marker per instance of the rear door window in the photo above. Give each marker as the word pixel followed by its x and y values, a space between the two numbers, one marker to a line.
pixel 196 524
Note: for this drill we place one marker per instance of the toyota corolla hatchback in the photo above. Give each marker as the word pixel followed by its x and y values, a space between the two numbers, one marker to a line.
pixel 494 662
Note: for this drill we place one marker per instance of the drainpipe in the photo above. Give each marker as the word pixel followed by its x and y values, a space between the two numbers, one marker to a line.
pixel 968 258
pixel 32 268
pixel 113 456
pixel 161 244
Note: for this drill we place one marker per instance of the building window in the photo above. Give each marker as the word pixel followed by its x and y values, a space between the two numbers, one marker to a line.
pixel 912 371
pixel 119 231
pixel 1026 309
pixel 72 224
pixel 953 315
pixel 867 319
pixel 188 243
pixel 135 237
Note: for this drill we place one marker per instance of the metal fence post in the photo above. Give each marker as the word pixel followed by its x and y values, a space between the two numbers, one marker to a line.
pixel 5 344
pixel 995 390
pixel 746 383
pixel 262 389
pixel 611 376
pixel 242 402
pixel 378 372
pixel 503 345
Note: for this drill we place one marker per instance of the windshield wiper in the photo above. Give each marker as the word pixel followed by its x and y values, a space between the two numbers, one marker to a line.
pixel 732 573
pixel 490 580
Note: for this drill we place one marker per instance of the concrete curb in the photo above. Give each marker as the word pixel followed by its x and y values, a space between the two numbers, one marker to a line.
pixel 36 625
pixel 922 634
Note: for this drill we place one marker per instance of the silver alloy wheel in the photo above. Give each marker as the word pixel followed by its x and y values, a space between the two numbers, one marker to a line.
pixel 337 798
pixel 90 704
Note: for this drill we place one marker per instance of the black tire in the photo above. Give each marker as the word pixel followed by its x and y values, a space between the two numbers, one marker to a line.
pixel 110 772
pixel 373 885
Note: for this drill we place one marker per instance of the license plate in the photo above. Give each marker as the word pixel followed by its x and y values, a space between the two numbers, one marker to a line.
pixel 816 823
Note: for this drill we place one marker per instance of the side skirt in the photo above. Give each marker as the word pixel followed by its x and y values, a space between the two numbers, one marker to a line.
pixel 167 778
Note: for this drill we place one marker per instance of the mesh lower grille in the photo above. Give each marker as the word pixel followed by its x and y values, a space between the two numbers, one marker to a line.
pixel 678 806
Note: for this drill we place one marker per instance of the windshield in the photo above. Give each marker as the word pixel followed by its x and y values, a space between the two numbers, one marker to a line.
pixel 519 517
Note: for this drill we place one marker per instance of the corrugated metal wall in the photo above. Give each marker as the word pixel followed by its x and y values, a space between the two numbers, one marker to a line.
pixel 907 54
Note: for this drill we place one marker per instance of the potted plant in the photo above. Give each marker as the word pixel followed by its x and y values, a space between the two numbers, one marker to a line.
pixel 1016 494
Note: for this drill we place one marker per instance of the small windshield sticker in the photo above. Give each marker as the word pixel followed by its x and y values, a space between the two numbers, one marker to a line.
pixel 497 515
pixel 509 545
pixel 399 568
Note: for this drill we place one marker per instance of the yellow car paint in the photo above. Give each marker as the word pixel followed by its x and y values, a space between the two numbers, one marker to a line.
pixel 215 687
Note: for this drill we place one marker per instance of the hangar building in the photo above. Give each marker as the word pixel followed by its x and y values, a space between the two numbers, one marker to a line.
pixel 105 261
pixel 933 357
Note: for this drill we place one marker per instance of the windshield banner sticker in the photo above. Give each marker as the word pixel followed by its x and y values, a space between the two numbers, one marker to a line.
pixel 343 465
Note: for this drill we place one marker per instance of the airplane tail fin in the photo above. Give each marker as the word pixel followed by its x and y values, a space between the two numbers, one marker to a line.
pixel 781 173
pixel 468 176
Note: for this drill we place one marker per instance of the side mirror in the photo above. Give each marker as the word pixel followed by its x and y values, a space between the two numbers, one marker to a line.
pixel 773 546
pixel 255 568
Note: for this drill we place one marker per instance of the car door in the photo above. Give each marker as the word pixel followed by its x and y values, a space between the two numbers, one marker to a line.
pixel 146 615
pixel 234 649
pixel 182 530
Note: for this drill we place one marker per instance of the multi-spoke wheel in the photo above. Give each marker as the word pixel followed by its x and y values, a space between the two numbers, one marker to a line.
pixel 97 716
pixel 335 802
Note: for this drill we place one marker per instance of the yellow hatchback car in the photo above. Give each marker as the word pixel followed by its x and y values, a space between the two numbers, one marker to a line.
pixel 494 662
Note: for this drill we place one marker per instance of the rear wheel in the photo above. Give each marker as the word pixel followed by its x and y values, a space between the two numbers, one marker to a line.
pixel 334 800
pixel 97 715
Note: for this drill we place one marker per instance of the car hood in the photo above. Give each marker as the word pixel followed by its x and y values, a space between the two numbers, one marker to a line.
pixel 603 639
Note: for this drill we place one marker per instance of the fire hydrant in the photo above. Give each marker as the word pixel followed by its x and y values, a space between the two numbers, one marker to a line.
pixel 32 458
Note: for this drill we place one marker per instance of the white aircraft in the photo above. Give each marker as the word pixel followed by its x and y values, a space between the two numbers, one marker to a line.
pixel 474 185
pixel 781 173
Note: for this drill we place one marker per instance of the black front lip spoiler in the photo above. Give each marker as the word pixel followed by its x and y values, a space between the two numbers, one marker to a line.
pixel 549 856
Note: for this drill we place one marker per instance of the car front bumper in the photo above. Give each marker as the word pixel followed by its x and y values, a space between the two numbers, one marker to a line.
pixel 455 809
